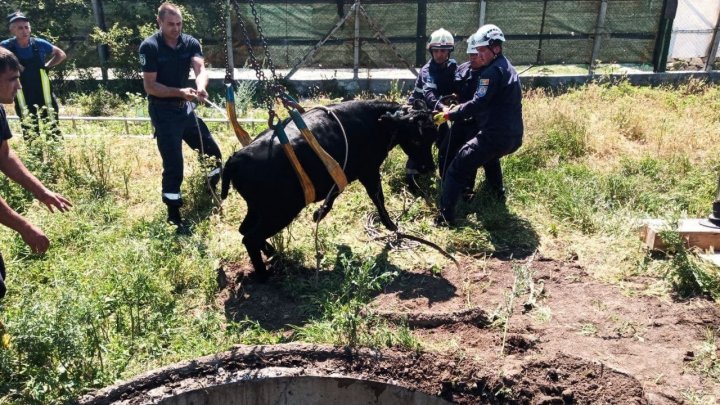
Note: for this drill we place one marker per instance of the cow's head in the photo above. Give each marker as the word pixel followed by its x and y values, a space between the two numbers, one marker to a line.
pixel 413 129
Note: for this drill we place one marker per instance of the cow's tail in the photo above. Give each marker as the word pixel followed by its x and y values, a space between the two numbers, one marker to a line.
pixel 226 173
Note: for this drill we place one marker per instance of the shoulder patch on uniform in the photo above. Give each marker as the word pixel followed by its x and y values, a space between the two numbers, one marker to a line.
pixel 484 82
pixel 481 91
pixel 142 59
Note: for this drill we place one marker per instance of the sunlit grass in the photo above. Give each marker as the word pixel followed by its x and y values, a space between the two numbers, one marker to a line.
pixel 119 293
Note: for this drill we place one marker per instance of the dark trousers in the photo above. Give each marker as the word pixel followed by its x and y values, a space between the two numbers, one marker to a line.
pixel 2 277
pixel 483 150
pixel 36 112
pixel 174 124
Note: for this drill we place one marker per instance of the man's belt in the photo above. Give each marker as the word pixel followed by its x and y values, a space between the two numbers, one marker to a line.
pixel 168 103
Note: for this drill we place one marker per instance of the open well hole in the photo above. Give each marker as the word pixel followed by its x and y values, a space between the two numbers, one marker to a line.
pixel 310 374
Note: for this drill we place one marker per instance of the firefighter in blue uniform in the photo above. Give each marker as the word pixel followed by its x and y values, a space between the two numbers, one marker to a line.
pixel 166 58
pixel 466 80
pixel 497 110
pixel 436 80
pixel 36 92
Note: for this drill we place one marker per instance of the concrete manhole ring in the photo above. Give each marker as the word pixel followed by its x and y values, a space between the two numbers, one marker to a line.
pixel 300 374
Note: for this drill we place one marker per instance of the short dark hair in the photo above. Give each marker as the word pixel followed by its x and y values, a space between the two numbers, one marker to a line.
pixel 8 61
pixel 168 8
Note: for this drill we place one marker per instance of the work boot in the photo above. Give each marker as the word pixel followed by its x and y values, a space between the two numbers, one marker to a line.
pixel 174 218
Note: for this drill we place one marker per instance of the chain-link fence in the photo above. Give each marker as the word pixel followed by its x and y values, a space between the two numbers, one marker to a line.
pixel 654 34
pixel 694 41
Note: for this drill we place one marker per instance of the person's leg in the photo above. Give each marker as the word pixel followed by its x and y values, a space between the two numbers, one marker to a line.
pixel 197 136
pixel 28 122
pixel 54 119
pixel 461 174
pixel 3 290
pixel 168 124
pixel 494 179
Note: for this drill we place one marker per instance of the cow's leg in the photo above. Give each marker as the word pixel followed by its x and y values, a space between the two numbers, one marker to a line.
pixel 373 187
pixel 321 212
pixel 254 248
pixel 269 249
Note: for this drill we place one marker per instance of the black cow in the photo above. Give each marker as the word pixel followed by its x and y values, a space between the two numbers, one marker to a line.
pixel 262 173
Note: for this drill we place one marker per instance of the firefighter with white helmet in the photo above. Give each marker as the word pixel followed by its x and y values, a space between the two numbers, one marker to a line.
pixel 435 80
pixel 496 109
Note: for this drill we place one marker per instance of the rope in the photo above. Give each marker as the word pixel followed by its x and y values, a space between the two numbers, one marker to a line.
pixel 318 254
pixel 397 245
pixel 215 198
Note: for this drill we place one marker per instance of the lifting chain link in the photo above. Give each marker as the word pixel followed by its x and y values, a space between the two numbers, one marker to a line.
pixel 273 89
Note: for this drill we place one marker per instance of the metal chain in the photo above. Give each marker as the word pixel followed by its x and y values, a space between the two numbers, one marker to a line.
pixel 228 69
pixel 262 79
pixel 264 42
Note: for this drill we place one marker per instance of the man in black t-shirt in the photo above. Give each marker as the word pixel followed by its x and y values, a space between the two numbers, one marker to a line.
pixel 14 168
pixel 166 58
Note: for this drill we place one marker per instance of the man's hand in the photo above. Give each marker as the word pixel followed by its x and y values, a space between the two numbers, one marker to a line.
pixel 51 200
pixel 202 95
pixel 35 238
pixel 188 93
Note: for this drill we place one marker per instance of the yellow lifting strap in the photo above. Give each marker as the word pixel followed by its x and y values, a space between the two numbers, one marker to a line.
pixel 305 182
pixel 332 166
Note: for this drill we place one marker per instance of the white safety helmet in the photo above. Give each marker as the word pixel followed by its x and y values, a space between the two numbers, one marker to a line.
pixel 441 39
pixel 472 44
pixel 488 34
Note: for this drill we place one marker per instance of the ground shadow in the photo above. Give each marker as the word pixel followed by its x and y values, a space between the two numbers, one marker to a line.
pixel 295 294
pixel 511 236
pixel 410 285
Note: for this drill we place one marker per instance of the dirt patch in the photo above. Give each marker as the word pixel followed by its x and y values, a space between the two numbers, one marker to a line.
pixel 578 341
pixel 649 338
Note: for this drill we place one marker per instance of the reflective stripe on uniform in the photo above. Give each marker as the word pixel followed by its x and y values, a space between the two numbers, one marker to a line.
pixel 431 85
pixel 21 100
pixel 214 172
pixel 172 196
pixel 45 81
pixel 418 89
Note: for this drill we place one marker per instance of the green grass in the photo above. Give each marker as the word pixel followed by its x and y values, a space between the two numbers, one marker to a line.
pixel 118 293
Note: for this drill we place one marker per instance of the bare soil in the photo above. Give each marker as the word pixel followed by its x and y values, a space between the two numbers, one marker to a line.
pixel 581 342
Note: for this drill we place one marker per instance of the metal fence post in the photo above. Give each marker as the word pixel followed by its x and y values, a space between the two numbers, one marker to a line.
pixel 662 43
pixel 356 44
pixel 228 39
pixel 712 53
pixel 538 59
pixel 421 36
pixel 102 48
pixel 481 16
pixel 599 32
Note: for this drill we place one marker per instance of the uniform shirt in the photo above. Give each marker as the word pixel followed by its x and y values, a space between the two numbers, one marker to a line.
pixel 45 48
pixel 497 102
pixel 5 133
pixel 434 81
pixel 466 82
pixel 171 65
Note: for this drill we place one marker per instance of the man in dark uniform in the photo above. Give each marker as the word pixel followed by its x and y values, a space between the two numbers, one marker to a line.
pixel 14 168
pixel 466 80
pixel 435 80
pixel 36 92
pixel 497 109
pixel 166 58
